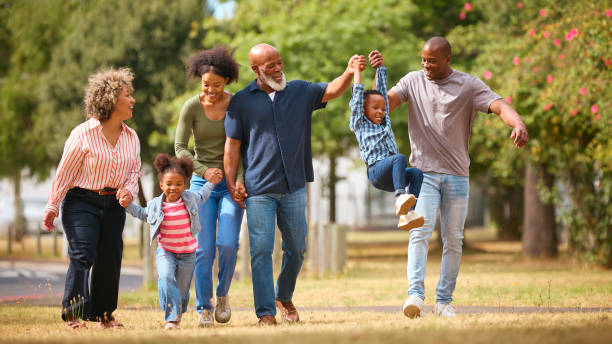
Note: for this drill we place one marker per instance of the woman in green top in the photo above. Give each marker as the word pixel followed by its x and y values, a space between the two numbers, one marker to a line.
pixel 203 116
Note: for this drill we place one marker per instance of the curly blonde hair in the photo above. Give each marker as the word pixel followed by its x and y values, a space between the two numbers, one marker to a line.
pixel 102 92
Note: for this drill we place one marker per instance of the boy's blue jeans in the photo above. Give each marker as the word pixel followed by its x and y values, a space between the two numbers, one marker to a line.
pixel 289 211
pixel 220 219
pixel 175 271
pixel 448 195
pixel 391 174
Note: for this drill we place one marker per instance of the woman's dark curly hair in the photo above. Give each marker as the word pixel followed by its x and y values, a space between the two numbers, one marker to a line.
pixel 164 164
pixel 219 60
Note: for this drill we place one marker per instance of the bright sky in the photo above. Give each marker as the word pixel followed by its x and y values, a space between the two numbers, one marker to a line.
pixel 224 10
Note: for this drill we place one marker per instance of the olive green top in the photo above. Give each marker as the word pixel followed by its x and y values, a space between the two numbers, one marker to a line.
pixel 209 139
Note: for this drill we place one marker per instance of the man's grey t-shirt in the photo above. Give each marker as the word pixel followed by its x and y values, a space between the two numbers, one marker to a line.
pixel 441 114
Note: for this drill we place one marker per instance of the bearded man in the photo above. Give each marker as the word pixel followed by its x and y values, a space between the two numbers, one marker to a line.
pixel 269 124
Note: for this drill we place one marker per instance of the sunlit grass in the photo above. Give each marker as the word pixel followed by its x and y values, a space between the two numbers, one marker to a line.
pixel 36 324
pixel 492 274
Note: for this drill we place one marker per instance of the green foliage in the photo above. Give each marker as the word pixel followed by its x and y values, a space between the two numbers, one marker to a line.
pixel 553 59
pixel 28 32
pixel 150 38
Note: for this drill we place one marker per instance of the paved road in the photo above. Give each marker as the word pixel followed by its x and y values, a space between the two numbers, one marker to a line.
pixel 43 283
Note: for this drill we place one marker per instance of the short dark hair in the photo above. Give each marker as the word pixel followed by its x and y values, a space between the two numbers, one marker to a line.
pixel 440 43
pixel 368 93
pixel 164 164
pixel 219 60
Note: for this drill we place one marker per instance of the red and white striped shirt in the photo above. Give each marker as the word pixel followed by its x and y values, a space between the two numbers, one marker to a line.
pixel 175 230
pixel 90 162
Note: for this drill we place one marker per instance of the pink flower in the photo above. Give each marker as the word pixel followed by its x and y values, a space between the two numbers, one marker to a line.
pixel 574 32
pixel 607 62
pixel 549 78
pixel 574 112
pixel 487 74
pixel 515 61
pixel 546 34
pixel 547 106
pixel 582 91
pixel 594 108
pixel 597 116
pixel 568 37
pixel 561 56
pixel 531 32
pixel 557 42
pixel 608 13
pixel 462 15
pixel 467 6
pixel 536 69
pixel 508 99
pixel 519 5
pixel 543 12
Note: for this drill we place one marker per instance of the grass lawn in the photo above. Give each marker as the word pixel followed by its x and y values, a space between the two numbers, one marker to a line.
pixel 492 274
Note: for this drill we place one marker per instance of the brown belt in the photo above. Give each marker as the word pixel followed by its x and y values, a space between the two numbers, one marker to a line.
pixel 105 191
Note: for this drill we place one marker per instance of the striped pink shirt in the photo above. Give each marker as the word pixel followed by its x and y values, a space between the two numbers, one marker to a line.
pixel 90 162
pixel 175 230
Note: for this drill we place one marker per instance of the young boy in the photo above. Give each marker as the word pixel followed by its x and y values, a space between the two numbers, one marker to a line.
pixel 386 167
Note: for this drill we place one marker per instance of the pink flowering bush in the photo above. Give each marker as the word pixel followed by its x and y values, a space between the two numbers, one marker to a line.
pixel 567 112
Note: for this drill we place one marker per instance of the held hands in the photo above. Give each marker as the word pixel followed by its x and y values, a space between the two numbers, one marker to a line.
pixel 47 221
pixel 238 193
pixel 213 175
pixel 357 63
pixel 376 58
pixel 124 197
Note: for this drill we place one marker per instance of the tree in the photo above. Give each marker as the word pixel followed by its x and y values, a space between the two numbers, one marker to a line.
pixel 552 59
pixel 29 31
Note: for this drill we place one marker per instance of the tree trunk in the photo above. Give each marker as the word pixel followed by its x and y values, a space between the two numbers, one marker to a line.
pixel 333 179
pixel 539 228
pixel 18 220
pixel 506 209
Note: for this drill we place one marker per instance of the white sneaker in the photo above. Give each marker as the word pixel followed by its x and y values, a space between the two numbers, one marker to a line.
pixel 206 319
pixel 444 310
pixel 223 313
pixel 403 203
pixel 410 221
pixel 171 326
pixel 413 306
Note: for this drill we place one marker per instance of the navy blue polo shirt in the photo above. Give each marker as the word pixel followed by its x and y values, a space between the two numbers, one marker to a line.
pixel 276 135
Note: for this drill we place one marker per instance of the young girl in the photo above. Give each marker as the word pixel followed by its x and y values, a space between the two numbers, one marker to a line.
pixel 173 218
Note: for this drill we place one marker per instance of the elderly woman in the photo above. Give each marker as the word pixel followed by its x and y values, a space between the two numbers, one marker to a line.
pixel 97 178
pixel 203 116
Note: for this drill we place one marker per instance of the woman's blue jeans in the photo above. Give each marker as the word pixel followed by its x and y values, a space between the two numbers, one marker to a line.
pixel 391 174
pixel 289 212
pixel 94 226
pixel 220 218
pixel 175 271
pixel 448 195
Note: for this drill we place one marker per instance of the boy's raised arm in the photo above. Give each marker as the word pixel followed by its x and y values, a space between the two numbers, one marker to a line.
pixel 356 103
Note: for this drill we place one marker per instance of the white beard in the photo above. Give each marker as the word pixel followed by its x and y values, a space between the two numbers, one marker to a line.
pixel 276 86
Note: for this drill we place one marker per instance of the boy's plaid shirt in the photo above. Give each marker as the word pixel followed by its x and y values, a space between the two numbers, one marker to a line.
pixel 376 141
